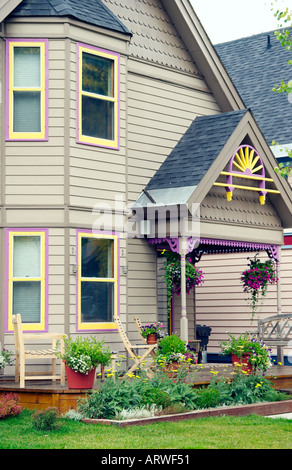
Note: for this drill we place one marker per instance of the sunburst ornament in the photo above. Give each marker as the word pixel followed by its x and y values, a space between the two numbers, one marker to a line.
pixel 247 164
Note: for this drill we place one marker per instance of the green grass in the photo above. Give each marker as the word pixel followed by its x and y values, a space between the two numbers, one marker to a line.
pixel 252 432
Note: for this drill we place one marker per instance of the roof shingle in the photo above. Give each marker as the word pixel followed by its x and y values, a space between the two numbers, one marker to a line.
pixel 89 11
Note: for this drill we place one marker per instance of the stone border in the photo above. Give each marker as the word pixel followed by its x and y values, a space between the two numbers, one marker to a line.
pixel 261 409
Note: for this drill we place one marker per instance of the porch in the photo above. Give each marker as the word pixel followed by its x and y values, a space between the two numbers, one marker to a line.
pixel 44 394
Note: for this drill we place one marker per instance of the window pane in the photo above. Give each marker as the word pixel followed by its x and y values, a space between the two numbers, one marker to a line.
pixel 26 256
pixel 27 67
pixel 97 301
pixel 27 111
pixel 97 118
pixel 97 74
pixel 27 301
pixel 97 258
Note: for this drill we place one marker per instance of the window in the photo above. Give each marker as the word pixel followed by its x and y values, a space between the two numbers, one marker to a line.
pixel 27 274
pixel 98 97
pixel 27 90
pixel 97 283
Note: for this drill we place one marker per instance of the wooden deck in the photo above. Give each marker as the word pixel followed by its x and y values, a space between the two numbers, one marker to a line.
pixel 43 394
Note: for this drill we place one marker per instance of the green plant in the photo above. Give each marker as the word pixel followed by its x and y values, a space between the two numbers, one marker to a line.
pixel 152 328
pixel 9 405
pixel 45 420
pixel 260 353
pixel 84 354
pixel 173 349
pixel 172 274
pixel 256 279
pixel 6 358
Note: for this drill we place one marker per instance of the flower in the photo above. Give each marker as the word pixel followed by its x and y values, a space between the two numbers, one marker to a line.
pixel 6 358
pixel 173 349
pixel 152 328
pixel 84 354
pixel 260 354
pixel 256 279
pixel 172 274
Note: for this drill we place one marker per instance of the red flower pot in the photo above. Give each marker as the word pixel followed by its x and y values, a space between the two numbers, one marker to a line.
pixel 151 339
pixel 77 380
pixel 242 363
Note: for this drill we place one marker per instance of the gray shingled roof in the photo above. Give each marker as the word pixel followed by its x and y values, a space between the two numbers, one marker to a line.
pixel 89 11
pixel 255 66
pixel 196 151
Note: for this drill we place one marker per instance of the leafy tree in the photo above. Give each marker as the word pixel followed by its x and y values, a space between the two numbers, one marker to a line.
pixel 283 35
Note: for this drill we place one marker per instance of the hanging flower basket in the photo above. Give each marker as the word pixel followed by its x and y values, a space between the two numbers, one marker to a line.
pixel 172 274
pixel 256 278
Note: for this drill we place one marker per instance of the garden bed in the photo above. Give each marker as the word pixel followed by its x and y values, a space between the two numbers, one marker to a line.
pixel 262 409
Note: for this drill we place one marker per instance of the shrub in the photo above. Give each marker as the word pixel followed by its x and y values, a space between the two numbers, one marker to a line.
pixel 208 397
pixel 9 405
pixel 45 420
pixel 156 396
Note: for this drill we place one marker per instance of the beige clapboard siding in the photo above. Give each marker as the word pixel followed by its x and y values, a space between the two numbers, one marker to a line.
pixel 35 170
pixel 159 113
pixel 142 294
pixel 221 303
pixel 96 174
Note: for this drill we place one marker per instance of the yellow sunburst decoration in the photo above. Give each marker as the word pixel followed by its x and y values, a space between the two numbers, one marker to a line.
pixel 246 163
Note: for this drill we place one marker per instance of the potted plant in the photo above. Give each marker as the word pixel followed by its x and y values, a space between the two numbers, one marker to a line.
pixel 81 357
pixel 172 274
pixel 256 279
pixel 152 332
pixel 6 358
pixel 247 352
pixel 173 353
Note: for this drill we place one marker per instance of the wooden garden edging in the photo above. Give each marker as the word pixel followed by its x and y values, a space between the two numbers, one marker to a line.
pixel 261 409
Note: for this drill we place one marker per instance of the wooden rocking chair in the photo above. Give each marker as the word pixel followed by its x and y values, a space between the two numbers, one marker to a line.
pixel 132 350
pixel 21 354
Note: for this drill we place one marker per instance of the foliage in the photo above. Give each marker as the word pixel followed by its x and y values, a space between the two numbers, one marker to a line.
pixel 172 274
pixel 45 420
pixel 114 396
pixel 284 36
pixel 84 354
pixel 260 354
pixel 256 279
pixel 152 328
pixel 9 405
pixel 6 358
pixel 241 390
pixel 173 349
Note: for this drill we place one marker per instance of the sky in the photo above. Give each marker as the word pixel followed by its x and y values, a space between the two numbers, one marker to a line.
pixel 226 20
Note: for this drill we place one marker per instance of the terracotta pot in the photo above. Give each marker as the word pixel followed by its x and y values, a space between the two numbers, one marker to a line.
pixel 151 339
pixel 245 365
pixel 77 380
pixel 171 369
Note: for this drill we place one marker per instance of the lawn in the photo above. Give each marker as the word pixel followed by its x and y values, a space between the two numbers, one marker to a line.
pixel 252 432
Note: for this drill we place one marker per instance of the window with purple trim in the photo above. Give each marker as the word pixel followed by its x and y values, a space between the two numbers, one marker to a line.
pixel 26 74
pixel 98 97
pixel 97 283
pixel 26 277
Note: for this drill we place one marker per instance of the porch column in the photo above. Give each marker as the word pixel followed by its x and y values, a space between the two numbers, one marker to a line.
pixel 280 352
pixel 183 319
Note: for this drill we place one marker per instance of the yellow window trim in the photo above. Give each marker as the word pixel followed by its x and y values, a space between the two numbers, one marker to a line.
pixel 97 325
pixel 93 140
pixel 28 326
pixel 28 135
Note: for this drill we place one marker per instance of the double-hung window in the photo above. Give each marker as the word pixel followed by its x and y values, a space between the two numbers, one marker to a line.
pixel 27 275
pixel 26 76
pixel 98 97
pixel 97 284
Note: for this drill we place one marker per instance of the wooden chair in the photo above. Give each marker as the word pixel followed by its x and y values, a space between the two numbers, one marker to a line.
pixel 132 350
pixel 22 354
pixel 139 328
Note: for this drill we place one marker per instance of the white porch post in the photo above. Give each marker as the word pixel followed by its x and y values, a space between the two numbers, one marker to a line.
pixel 280 352
pixel 183 319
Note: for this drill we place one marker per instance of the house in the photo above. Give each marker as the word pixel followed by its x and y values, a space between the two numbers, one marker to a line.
pixel 110 112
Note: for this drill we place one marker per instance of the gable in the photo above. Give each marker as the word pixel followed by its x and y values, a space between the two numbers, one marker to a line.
pixel 155 37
